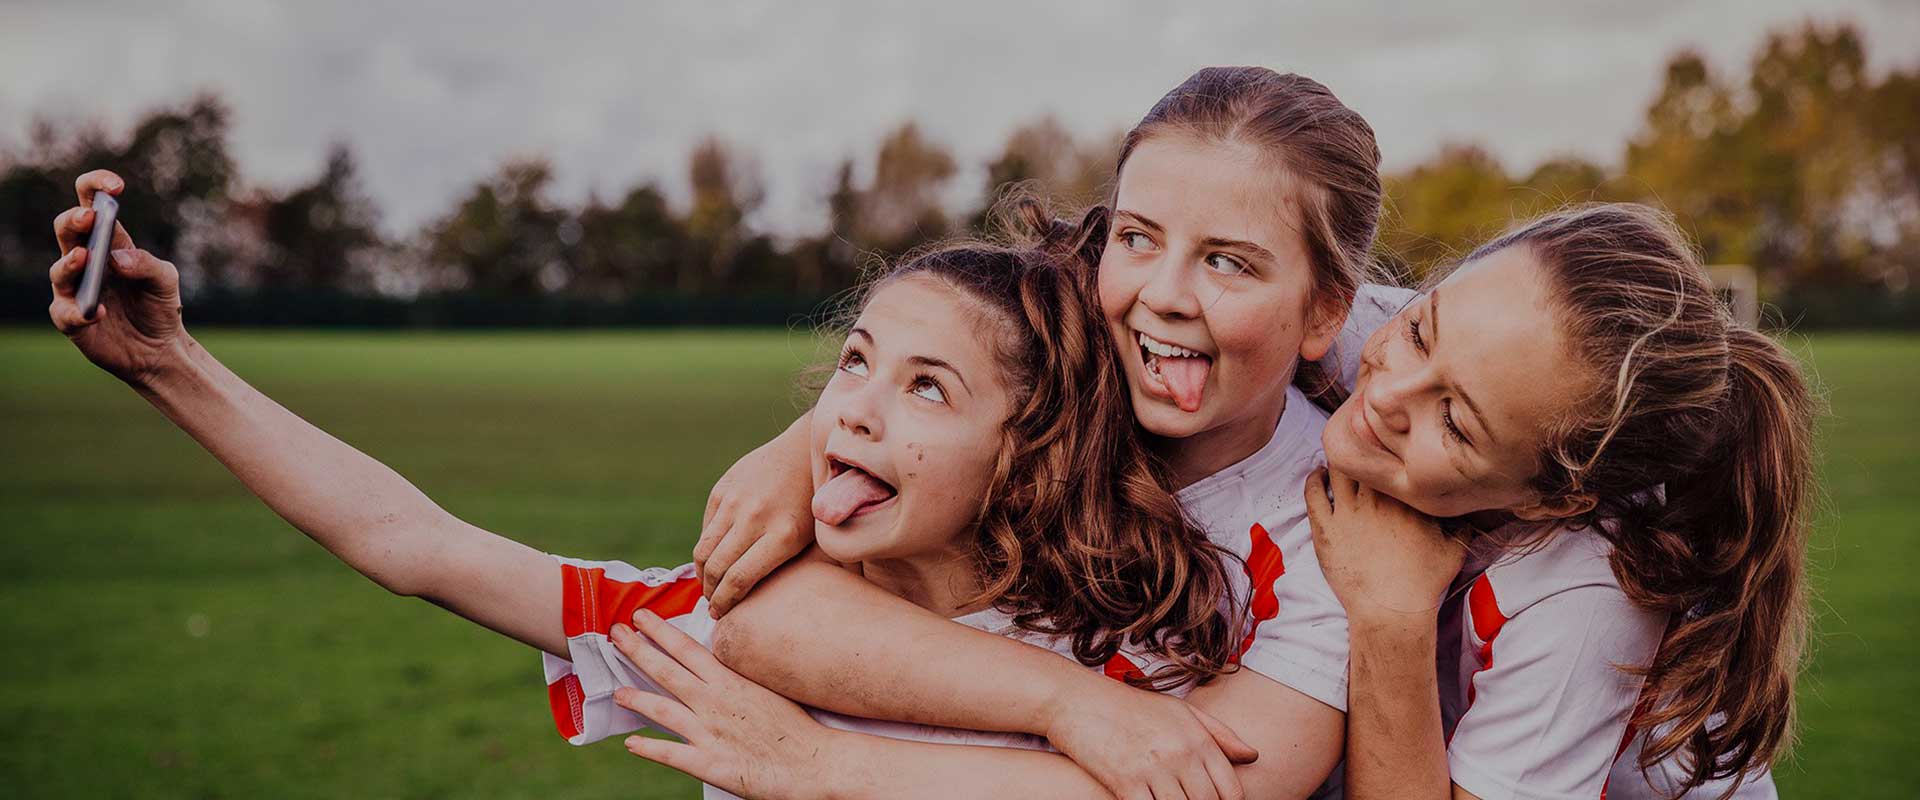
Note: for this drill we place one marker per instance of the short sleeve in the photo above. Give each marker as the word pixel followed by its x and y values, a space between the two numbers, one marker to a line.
pixel 1299 633
pixel 1550 708
pixel 598 594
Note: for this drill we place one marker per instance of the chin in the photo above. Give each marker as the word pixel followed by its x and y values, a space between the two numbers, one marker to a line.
pixel 1166 420
pixel 852 542
pixel 1342 452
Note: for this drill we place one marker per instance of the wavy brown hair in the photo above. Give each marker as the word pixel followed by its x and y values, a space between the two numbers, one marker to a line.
pixel 1078 534
pixel 1696 448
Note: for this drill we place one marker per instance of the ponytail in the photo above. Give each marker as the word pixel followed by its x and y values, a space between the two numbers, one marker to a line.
pixel 1721 687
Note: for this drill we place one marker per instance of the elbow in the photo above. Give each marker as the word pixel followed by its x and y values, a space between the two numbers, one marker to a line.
pixel 735 634
pixel 750 637
pixel 401 558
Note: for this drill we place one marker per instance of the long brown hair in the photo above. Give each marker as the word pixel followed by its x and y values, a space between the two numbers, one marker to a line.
pixel 1079 534
pixel 1696 446
pixel 1324 149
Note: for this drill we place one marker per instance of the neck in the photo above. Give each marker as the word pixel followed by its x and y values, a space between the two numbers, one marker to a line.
pixel 942 582
pixel 1192 458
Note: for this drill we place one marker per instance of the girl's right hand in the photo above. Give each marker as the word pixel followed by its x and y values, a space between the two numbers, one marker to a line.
pixel 135 333
pixel 759 516
pixel 1142 744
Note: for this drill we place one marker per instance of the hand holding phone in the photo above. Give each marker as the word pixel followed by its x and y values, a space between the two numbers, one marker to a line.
pixel 106 211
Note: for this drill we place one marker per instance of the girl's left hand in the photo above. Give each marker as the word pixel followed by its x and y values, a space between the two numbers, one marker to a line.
pixel 1383 559
pixel 739 735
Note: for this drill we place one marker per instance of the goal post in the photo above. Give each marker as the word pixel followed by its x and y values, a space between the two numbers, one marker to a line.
pixel 1739 287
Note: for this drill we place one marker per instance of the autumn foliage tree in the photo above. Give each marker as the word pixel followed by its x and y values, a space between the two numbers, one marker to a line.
pixel 1804 165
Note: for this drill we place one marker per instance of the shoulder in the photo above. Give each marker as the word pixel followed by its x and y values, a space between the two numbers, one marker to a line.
pixel 1560 600
pixel 1574 561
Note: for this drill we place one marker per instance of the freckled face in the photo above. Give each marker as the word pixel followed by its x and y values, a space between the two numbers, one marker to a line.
pixel 1206 287
pixel 1456 393
pixel 906 434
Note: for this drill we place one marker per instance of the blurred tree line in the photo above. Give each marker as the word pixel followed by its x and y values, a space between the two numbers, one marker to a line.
pixel 1808 170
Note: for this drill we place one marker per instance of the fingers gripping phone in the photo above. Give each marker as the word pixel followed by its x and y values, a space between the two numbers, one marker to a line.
pixel 106 212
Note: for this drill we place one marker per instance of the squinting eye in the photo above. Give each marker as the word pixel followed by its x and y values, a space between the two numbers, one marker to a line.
pixel 1226 264
pixel 852 364
pixel 929 390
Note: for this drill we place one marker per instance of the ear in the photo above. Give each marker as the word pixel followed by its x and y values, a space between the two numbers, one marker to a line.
pixel 1547 510
pixel 1324 319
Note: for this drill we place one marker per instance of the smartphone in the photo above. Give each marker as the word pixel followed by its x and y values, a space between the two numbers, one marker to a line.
pixel 106 212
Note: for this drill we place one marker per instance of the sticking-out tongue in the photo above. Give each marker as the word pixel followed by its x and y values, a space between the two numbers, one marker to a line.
pixel 1186 378
pixel 847 492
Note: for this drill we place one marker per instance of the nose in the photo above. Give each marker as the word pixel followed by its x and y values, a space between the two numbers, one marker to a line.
pixel 859 411
pixel 1392 385
pixel 1168 292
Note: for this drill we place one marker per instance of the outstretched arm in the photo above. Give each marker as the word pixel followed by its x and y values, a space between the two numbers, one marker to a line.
pixel 355 507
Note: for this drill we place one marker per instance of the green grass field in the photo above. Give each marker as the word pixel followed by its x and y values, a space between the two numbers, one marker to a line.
pixel 166 635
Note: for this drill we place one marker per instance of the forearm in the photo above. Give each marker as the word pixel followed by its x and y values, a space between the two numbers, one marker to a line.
pixel 864 766
pixel 357 508
pixel 827 638
pixel 1395 745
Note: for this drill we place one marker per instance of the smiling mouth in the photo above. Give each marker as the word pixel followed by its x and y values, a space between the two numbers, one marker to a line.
pixel 850 491
pixel 1175 372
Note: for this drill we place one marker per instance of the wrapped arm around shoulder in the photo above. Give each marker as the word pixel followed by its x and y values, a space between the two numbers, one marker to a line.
pixel 824 637
pixel 827 638
pixel 878 767
pixel 759 516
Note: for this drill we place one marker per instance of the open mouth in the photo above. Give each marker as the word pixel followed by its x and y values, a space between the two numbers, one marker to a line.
pixel 850 490
pixel 1175 372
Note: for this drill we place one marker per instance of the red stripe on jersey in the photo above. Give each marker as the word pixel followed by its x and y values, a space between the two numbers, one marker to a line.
pixel 1484 608
pixel 1264 566
pixel 1120 668
pixel 566 699
pixel 592 602
pixel 1640 708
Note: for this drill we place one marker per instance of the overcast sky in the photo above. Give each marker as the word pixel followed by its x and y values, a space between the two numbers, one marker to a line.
pixel 432 96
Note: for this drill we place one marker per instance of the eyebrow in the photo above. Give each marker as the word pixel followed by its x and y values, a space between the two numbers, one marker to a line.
pixel 1212 241
pixel 920 361
pixel 1258 252
pixel 1142 219
pixel 930 361
pixel 1433 314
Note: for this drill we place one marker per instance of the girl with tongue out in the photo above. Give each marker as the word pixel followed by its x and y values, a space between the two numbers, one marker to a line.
pixel 1236 238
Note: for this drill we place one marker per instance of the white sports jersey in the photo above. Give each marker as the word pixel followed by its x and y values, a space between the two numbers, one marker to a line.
pixel 599 593
pixel 1531 691
pixel 1627 782
pixel 1257 509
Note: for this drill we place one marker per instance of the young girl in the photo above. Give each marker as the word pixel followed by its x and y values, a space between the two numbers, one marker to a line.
pixel 972 454
pixel 1244 209
pixel 1643 608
